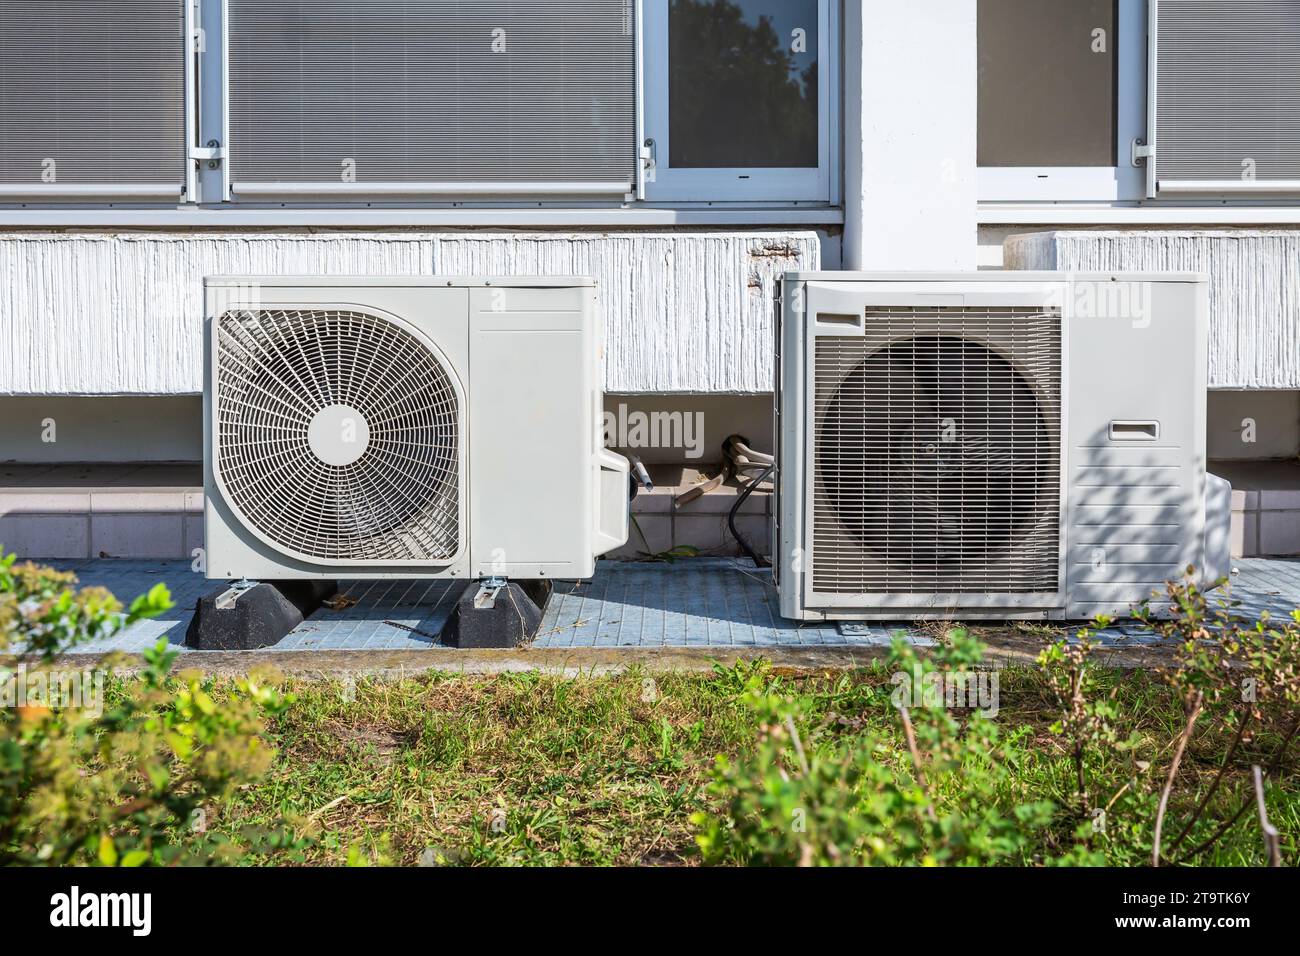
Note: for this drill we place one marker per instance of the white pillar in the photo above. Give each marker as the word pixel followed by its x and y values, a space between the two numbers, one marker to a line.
pixel 910 131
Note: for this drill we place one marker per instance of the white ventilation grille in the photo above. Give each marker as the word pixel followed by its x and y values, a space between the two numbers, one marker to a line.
pixel 338 435
pixel 937 453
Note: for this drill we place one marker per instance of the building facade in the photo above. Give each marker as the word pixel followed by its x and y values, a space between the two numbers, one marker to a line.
pixel 685 153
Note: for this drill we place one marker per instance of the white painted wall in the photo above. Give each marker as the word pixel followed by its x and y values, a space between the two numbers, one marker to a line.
pixel 55 428
pixel 705 422
pixel 910 135
pixel 1253 424
pixel 96 314
pixel 1254 288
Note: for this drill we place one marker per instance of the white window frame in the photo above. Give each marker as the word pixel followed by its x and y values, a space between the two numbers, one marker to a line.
pixel 737 184
pixel 1118 183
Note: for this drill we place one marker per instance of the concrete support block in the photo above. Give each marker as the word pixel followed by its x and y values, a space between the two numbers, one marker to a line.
pixel 508 619
pixel 193 533
pixel 706 532
pixel 651 534
pixel 232 618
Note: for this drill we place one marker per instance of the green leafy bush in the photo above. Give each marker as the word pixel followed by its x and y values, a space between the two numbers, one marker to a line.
pixel 1238 683
pixel 826 794
pixel 130 780
pixel 1116 776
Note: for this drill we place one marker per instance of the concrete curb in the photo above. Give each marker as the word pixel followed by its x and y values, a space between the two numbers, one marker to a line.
pixel 592 661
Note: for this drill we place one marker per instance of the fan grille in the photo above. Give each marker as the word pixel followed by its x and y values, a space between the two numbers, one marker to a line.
pixel 937 442
pixel 338 435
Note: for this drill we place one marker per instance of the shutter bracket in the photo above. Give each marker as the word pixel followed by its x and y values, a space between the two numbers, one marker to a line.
pixel 649 159
pixel 1141 152
pixel 214 153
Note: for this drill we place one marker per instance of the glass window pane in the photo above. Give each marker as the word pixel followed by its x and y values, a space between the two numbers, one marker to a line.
pixel 1047 82
pixel 742 86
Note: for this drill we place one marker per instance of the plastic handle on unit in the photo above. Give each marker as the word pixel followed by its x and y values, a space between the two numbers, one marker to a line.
pixel 1134 431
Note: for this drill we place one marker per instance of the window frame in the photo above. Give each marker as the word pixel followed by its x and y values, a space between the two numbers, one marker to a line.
pixel 1118 183
pixel 662 183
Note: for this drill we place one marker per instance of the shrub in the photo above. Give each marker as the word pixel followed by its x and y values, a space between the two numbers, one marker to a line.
pixel 1238 684
pixel 129 780
pixel 814 795
pixel 1111 781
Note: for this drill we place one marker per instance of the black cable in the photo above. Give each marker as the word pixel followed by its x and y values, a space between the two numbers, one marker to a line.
pixel 759 561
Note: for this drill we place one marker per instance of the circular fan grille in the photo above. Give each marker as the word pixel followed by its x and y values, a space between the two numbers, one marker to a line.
pixel 338 435
pixel 934 454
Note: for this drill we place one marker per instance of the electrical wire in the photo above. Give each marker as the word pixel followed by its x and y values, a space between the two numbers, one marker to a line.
pixel 741 458
pixel 758 559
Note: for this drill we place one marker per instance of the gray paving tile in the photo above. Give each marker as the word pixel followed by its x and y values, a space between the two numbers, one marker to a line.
pixel 720 602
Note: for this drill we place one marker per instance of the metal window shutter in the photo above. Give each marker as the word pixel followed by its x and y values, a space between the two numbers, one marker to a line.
pixel 375 96
pixel 98 88
pixel 1227 78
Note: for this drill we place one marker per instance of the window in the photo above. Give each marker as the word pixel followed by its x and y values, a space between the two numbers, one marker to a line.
pixel 92 99
pixel 1055 64
pixel 1227 88
pixel 1060 98
pixel 737 99
pixel 495 97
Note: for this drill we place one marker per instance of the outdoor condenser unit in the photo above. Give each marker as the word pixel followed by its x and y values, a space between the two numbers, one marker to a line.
pixel 406 428
pixel 992 445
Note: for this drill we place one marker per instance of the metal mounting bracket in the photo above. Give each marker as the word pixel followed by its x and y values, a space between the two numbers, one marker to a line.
pixel 227 598
pixel 212 154
pixel 1141 152
pixel 648 154
pixel 488 590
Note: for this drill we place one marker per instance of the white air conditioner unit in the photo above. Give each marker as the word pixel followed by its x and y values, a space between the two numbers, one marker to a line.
pixel 406 428
pixel 990 445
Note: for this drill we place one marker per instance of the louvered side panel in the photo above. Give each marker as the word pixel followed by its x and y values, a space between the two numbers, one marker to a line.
pixel 1129 515
pixel 92 93
pixel 1227 93
pixel 432 92
pixel 937 454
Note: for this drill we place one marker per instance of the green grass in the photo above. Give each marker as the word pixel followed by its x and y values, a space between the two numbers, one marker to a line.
pixel 528 769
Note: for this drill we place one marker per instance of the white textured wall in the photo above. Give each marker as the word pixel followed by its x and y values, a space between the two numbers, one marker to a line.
pixel 109 314
pixel 87 314
pixel 1254 288
pixel 683 312
pixel 910 135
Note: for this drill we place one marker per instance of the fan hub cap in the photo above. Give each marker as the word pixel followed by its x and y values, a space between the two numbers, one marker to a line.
pixel 338 435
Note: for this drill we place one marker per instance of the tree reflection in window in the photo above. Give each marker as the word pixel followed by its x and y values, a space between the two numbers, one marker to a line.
pixel 743 83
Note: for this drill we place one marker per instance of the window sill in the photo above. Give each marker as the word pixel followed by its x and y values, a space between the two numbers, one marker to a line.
pixel 1147 214
pixel 370 217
